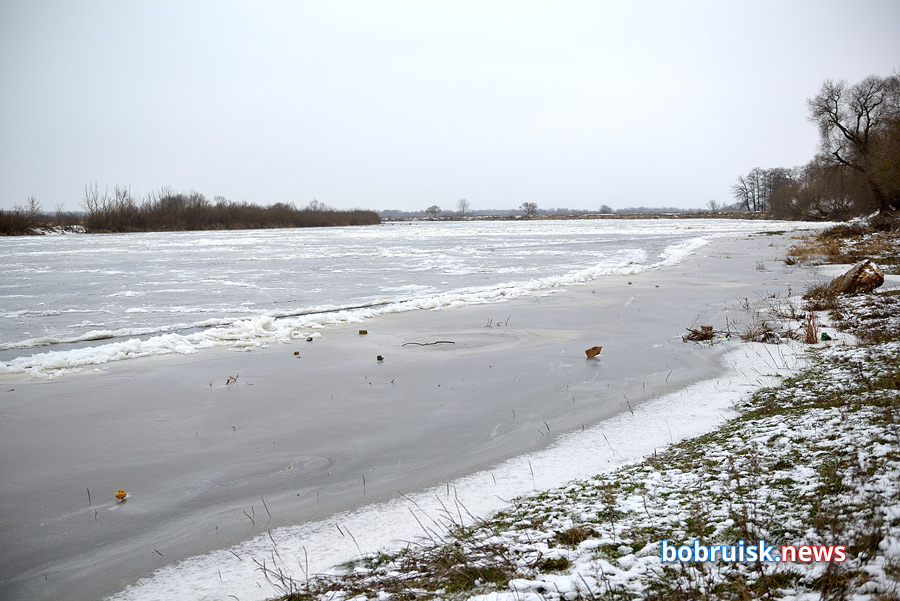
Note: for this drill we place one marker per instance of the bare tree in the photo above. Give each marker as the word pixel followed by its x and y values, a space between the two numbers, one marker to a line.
pixel 462 206
pixel 754 190
pixel 27 216
pixel 744 192
pixel 33 209
pixel 529 208
pixel 853 123
pixel 433 210
pixel 97 206
pixel 816 190
pixel 92 202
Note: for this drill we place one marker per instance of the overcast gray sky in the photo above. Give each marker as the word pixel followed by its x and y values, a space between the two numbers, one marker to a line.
pixel 407 104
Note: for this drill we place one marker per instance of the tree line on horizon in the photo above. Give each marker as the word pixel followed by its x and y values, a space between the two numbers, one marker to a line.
pixel 857 169
pixel 168 210
pixel 531 209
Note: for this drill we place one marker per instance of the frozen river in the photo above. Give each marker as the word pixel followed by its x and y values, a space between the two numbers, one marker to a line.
pixel 119 357
pixel 132 295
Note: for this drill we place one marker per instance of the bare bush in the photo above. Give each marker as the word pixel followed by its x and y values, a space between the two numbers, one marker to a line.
pixel 167 210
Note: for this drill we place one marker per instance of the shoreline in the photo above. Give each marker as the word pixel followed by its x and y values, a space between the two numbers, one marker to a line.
pixel 527 345
pixel 805 466
pixel 327 547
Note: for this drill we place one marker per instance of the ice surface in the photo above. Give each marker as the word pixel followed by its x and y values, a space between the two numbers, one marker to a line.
pixel 197 455
pixel 614 442
pixel 163 293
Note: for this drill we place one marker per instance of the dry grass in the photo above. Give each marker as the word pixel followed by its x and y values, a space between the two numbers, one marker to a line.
pixel 814 250
pixel 811 328
pixel 760 331
pixel 820 298
pixel 704 334
pixel 851 243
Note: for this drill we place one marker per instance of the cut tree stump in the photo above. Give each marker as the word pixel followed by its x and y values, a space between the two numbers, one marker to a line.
pixel 864 277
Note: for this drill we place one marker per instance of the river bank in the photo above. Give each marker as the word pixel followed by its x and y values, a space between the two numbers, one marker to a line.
pixel 797 493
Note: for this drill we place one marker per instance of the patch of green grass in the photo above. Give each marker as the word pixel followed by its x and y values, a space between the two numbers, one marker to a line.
pixel 555 564
pixel 574 536
pixel 463 578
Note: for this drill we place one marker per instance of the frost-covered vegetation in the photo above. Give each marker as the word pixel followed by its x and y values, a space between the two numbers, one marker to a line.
pixel 814 461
